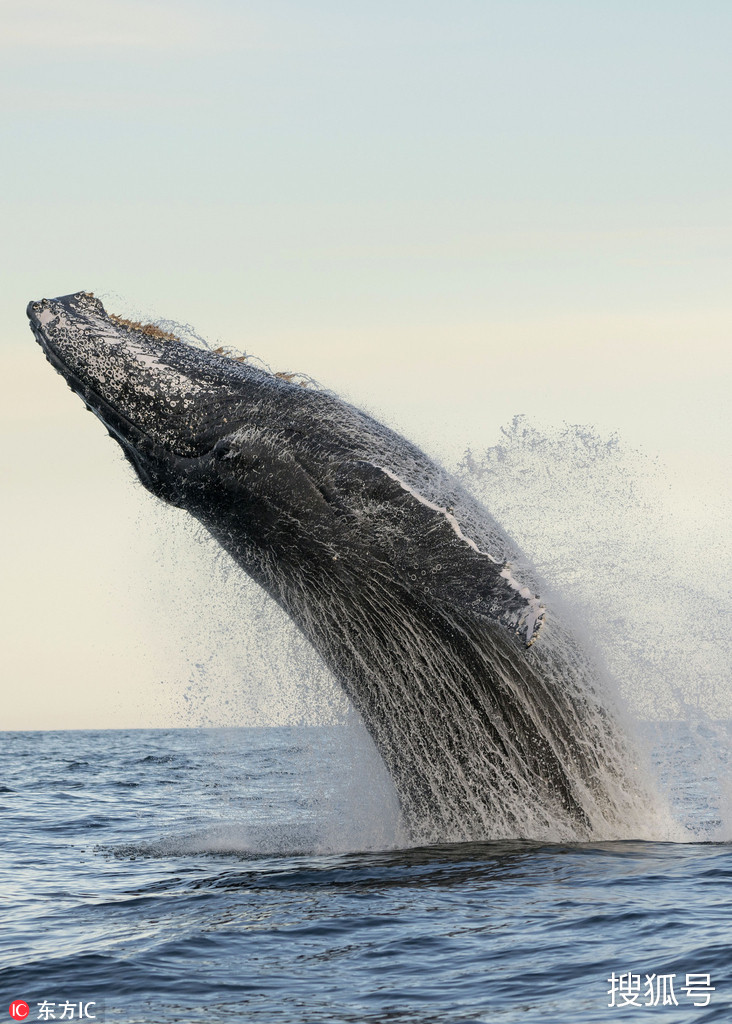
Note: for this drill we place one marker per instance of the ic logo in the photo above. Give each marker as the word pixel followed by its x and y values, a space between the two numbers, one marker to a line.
pixel 19 1009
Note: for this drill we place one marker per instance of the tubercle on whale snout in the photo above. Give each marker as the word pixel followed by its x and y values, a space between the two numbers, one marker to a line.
pixel 175 342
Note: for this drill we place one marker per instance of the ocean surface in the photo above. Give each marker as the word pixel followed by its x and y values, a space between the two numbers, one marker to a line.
pixel 260 875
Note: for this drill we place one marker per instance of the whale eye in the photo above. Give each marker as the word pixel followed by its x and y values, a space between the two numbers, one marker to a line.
pixel 222 448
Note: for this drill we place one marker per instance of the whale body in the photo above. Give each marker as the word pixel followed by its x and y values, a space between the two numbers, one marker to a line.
pixel 487 714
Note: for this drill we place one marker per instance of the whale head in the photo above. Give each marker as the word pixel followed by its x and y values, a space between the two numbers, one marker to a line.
pixel 167 402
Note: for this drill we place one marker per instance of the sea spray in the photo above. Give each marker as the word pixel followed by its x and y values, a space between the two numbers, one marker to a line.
pixel 423 608
pixel 642 569
pixel 236 659
pixel 245 663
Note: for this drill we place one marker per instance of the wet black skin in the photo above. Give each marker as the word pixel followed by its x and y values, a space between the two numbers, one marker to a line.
pixel 426 637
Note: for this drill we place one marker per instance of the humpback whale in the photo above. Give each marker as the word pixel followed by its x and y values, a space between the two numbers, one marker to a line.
pixel 486 712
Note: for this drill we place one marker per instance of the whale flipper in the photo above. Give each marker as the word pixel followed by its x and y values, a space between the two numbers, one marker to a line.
pixel 434 555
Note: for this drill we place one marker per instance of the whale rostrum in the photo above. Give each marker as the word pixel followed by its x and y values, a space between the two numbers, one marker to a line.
pixel 487 714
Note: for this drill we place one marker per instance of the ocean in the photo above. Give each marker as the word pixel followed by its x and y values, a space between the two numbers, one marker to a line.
pixel 199 875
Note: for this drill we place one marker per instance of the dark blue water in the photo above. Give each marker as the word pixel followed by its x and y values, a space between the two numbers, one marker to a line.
pixel 192 876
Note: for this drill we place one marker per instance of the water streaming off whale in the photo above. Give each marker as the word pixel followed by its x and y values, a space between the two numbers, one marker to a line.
pixel 490 717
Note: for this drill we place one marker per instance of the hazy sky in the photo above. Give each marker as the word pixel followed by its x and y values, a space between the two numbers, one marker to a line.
pixel 449 213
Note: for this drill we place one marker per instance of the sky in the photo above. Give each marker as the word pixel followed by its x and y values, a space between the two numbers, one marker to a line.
pixel 450 214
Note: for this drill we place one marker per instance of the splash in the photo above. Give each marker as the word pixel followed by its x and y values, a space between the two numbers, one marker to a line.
pixel 250 665
pixel 410 591
pixel 642 568
pixel 641 589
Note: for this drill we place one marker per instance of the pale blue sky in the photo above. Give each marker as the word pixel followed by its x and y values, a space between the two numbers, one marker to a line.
pixel 450 213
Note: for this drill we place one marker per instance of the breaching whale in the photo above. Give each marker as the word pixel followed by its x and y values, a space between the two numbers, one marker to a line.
pixel 487 714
